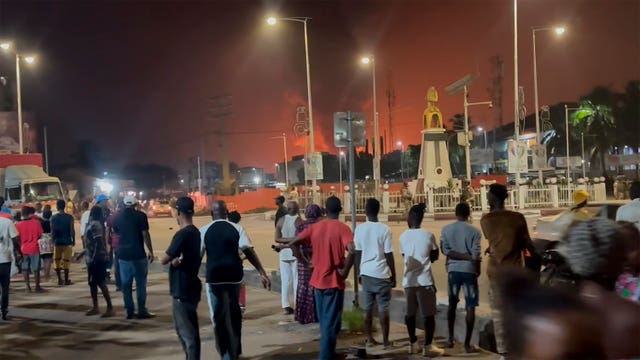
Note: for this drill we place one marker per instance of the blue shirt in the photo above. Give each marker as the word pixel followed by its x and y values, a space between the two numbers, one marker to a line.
pixel 462 238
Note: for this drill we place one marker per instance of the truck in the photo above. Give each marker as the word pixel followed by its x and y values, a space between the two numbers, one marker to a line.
pixel 24 182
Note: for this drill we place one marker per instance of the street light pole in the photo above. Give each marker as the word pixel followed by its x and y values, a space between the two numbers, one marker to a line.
pixel 558 30
pixel 584 163
pixel 376 129
pixel 467 145
pixel 304 20
pixel 286 158
pixel 566 124
pixel 19 103
pixel 401 159
pixel 340 155
pixel 516 107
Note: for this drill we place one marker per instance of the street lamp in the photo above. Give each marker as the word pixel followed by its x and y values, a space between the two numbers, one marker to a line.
pixel 559 31
pixel 401 158
pixel 366 60
pixel 273 21
pixel 286 166
pixel 467 148
pixel 485 136
pixel 29 60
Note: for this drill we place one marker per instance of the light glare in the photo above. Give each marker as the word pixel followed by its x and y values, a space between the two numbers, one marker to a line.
pixel 30 59
pixel 272 21
pixel 365 60
pixel 559 30
pixel 5 46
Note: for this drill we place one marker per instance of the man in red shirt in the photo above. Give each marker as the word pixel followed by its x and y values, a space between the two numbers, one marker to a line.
pixel 330 239
pixel 30 230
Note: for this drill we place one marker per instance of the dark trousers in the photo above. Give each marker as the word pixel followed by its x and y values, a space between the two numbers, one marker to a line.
pixel 224 307
pixel 5 278
pixel 185 319
pixel 329 304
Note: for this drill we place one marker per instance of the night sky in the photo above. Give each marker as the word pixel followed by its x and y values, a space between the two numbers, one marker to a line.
pixel 135 77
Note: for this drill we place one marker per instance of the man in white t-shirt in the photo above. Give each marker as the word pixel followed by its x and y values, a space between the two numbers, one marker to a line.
pixel 376 269
pixel 8 251
pixel 419 250
pixel 286 228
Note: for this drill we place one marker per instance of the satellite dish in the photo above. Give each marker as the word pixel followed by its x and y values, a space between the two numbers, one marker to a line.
pixel 458 86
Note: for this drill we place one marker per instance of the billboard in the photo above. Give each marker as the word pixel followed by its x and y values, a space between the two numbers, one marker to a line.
pixel 9 140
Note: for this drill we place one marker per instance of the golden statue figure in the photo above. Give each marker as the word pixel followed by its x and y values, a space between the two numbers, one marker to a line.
pixel 432 117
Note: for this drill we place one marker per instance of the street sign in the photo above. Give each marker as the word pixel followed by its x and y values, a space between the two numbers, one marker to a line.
pixel 341 129
pixel 313 167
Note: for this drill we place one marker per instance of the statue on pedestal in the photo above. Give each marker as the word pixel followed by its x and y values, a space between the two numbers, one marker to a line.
pixel 432 117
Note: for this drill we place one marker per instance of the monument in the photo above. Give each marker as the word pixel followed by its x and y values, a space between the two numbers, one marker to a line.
pixel 434 167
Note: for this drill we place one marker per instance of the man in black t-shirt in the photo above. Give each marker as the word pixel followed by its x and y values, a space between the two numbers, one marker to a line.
pixel 221 240
pixel 282 210
pixel 133 227
pixel 185 286
pixel 63 235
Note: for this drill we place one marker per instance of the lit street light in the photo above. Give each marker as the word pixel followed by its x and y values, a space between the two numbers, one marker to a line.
pixel 29 60
pixel 559 31
pixel 376 131
pixel 485 136
pixel 401 159
pixel 273 21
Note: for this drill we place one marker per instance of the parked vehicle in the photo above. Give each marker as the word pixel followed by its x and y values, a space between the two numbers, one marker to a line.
pixel 160 207
pixel 24 182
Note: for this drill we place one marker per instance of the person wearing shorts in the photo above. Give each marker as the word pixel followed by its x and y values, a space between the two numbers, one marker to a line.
pixel 460 243
pixel 30 232
pixel 418 247
pixel 63 236
pixel 374 263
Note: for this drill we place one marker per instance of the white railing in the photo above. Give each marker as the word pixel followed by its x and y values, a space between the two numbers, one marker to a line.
pixel 444 199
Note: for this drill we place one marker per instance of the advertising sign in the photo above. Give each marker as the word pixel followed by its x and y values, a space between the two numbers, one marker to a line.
pixel 517 151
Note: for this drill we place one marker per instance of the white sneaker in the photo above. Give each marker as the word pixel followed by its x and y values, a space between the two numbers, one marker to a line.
pixel 432 351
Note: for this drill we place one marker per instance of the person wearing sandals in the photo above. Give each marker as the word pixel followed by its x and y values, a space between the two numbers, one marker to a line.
pixel 96 257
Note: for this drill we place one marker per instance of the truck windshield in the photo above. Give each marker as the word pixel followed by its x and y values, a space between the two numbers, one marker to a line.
pixel 44 191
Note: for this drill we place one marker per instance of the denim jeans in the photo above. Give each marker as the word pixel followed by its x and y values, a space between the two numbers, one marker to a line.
pixel 224 309
pixel 329 304
pixel 185 319
pixel 5 279
pixel 130 270
pixel 116 266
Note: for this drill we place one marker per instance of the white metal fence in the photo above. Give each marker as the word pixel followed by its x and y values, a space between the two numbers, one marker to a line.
pixel 444 199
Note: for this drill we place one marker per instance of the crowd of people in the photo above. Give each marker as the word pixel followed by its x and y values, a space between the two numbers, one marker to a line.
pixel 590 311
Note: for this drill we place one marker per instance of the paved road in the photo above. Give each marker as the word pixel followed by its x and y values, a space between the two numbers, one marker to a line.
pixel 261 232
pixel 53 326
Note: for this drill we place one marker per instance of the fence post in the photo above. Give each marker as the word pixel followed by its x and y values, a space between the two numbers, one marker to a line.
pixel 522 196
pixel 555 198
pixel 483 198
pixel 430 201
pixel 385 199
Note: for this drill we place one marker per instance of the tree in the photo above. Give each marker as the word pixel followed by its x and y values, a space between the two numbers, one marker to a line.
pixel 628 118
pixel 596 121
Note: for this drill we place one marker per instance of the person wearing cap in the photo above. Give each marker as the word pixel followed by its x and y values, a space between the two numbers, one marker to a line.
pixel 580 200
pixel 508 236
pixel 133 227
pixel 282 210
pixel 631 211
pixel 220 241
pixel 63 234
pixel 184 285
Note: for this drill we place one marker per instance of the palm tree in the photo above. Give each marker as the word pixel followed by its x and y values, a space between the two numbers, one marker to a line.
pixel 596 121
